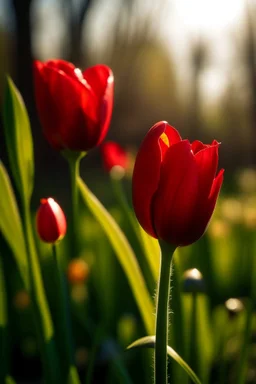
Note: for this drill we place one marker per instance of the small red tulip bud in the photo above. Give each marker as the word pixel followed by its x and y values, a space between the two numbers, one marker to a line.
pixel 115 158
pixel 50 221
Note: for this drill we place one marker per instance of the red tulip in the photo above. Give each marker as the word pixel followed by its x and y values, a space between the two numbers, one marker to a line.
pixel 50 221
pixel 113 155
pixel 74 107
pixel 175 186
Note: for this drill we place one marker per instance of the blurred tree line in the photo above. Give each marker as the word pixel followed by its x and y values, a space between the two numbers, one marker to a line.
pixel 147 87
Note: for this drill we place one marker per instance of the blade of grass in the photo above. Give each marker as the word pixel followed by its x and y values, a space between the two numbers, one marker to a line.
pixel 18 139
pixel 3 326
pixel 11 225
pixel 124 253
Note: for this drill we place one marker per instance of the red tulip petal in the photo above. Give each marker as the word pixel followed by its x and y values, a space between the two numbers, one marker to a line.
pixel 146 175
pixel 68 69
pixel 101 80
pixel 98 77
pixel 46 107
pixel 51 221
pixel 73 110
pixel 207 162
pixel 105 111
pixel 203 212
pixel 216 186
pixel 176 195
pixel 197 146
pixel 61 65
pixel 171 136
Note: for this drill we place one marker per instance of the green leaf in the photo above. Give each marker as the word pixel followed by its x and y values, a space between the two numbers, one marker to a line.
pixel 9 380
pixel 152 251
pixel 10 224
pixel 3 325
pixel 3 307
pixel 149 342
pixel 18 140
pixel 124 253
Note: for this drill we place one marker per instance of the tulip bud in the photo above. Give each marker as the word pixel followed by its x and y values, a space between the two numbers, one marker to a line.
pixel 50 221
pixel 74 107
pixel 115 159
pixel 193 281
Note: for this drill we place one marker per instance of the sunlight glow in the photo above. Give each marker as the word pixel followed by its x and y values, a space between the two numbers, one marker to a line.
pixel 201 15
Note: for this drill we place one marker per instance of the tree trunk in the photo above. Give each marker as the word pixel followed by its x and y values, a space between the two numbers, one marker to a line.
pixel 23 52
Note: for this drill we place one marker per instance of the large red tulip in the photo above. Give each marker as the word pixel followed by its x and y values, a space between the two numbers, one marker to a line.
pixel 74 107
pixel 175 186
pixel 51 222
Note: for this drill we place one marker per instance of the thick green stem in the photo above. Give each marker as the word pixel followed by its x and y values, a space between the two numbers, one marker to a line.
pixel 40 309
pixel 63 336
pixel 74 159
pixel 162 315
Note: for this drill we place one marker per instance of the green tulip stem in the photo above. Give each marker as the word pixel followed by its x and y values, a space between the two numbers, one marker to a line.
pixel 162 314
pixel 63 336
pixel 40 308
pixel 74 159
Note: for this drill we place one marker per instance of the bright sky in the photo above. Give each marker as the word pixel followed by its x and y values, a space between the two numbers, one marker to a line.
pixel 182 21
pixel 207 15
pixel 218 22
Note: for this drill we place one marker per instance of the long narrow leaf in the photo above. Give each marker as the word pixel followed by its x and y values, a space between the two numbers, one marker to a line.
pixel 10 224
pixel 18 139
pixel 3 326
pixel 9 380
pixel 152 251
pixel 149 342
pixel 124 253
